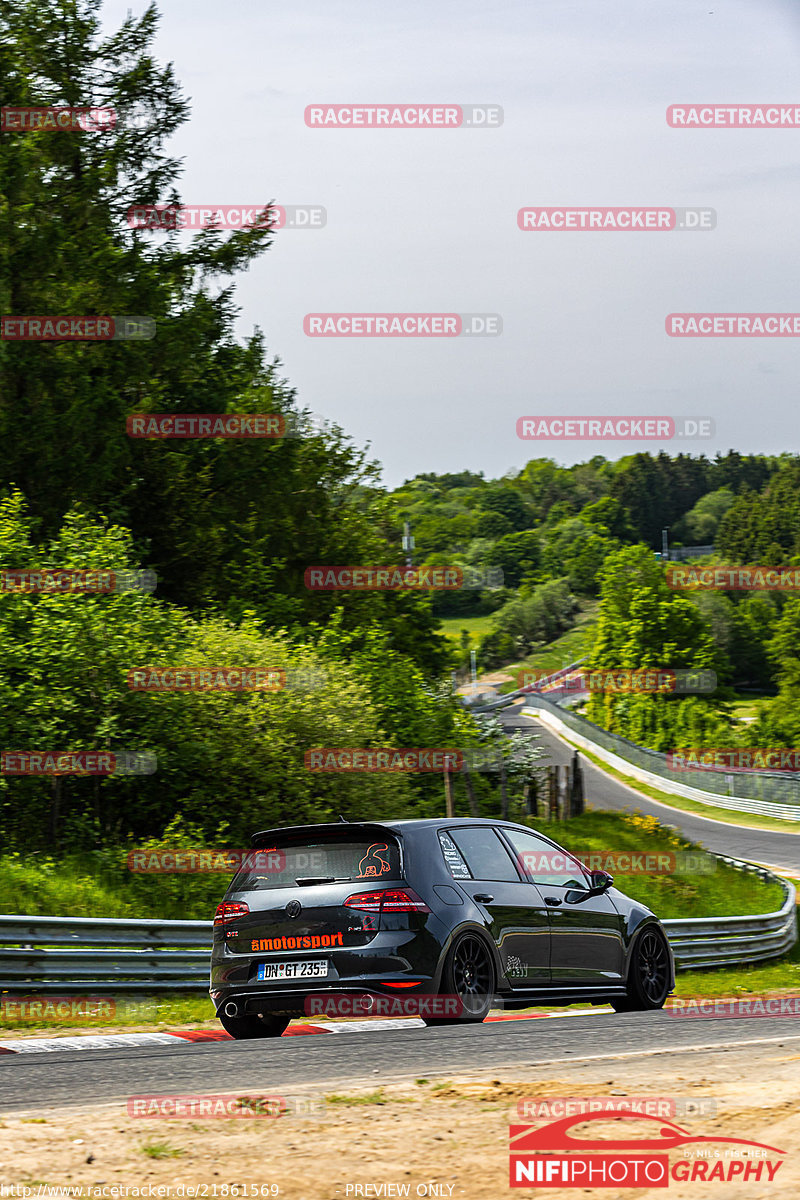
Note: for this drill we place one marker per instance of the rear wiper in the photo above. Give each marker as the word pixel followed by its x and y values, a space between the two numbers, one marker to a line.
pixel 309 879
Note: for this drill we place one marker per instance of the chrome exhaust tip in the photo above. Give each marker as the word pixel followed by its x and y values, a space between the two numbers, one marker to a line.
pixel 231 1009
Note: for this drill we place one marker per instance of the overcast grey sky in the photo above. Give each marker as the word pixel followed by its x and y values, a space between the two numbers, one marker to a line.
pixel 426 220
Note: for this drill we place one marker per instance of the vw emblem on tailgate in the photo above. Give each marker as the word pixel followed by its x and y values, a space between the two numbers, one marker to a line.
pixel 293 908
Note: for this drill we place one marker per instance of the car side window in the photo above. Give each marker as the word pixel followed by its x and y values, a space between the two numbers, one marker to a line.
pixel 544 863
pixel 484 854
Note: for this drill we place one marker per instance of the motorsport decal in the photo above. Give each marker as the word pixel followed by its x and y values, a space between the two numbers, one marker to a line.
pixel 314 941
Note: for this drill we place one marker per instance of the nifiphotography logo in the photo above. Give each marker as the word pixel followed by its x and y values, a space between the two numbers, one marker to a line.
pixel 552 1156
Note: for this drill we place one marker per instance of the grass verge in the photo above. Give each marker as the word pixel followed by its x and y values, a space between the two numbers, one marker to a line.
pixel 476 627
pixel 575 643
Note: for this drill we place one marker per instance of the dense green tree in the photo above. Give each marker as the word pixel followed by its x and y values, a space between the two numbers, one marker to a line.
pixel 657 491
pixel 517 555
pixel 576 548
pixel 533 619
pixel 643 623
pixel 765 527
pixel 699 526
pixel 508 502
pixel 228 525
pixel 493 525
pixel 64 686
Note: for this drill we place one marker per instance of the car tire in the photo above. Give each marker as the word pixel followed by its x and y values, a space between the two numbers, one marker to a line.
pixel 647 986
pixel 253 1027
pixel 468 973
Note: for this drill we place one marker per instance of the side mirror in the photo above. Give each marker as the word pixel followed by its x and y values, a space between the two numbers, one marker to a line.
pixel 601 881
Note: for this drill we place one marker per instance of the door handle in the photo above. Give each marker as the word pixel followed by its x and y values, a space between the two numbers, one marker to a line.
pixel 483 897
pixel 552 900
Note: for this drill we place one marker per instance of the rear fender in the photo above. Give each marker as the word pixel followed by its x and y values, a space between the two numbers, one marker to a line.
pixel 471 927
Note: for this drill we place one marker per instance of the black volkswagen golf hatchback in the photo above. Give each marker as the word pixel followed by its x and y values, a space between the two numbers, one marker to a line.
pixel 479 911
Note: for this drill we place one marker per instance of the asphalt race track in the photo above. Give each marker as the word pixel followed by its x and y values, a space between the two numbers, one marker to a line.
pixel 58 1080
pixel 773 849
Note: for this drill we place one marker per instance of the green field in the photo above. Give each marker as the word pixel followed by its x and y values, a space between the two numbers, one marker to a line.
pixel 744 708
pixel 573 644
pixel 475 626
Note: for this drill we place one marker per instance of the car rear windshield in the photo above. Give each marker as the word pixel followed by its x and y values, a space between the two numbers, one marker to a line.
pixel 295 863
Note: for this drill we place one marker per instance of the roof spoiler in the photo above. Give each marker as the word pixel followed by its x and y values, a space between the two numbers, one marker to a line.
pixel 329 829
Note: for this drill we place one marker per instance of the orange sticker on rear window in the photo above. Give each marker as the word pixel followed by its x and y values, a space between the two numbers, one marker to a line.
pixel 372 864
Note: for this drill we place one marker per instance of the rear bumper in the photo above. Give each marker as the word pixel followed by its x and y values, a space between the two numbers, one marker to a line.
pixel 364 1000
pixel 407 956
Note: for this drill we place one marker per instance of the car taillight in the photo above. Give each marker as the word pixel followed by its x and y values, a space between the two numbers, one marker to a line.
pixel 229 912
pixel 394 900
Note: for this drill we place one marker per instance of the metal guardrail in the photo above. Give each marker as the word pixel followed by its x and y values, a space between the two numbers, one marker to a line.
pixel 724 941
pixel 87 954
pixel 67 954
pixel 766 793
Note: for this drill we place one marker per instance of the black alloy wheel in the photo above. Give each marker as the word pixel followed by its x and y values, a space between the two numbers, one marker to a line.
pixel 648 974
pixel 468 975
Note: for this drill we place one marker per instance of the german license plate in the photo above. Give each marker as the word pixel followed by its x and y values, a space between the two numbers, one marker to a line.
pixel 311 969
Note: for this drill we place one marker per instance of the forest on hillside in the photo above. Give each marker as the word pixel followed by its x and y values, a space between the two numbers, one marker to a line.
pixel 229 526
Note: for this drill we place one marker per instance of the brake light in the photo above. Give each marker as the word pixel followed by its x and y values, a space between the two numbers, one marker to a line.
pixel 230 912
pixel 393 900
